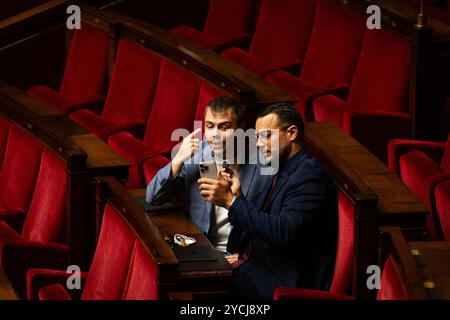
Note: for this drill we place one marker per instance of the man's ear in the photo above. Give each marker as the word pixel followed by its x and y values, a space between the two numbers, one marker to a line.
pixel 293 132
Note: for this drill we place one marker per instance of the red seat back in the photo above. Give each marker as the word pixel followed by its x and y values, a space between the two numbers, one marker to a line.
pixel 391 283
pixel 133 84
pixel 206 95
pixel 342 278
pixel 445 163
pixel 174 106
pixel 121 269
pixel 381 80
pixel 330 61
pixel 46 218
pixel 228 18
pixel 442 195
pixel 278 36
pixel 86 71
pixel 19 170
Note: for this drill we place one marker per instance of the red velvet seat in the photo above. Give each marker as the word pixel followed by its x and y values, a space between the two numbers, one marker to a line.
pixel 131 93
pixel 169 112
pixel 228 21
pixel 42 242
pixel 376 110
pixel 207 93
pixel 391 288
pixel 281 37
pixel 342 278
pixel 442 196
pixel 86 73
pixel 331 58
pixel 421 165
pixel 122 269
pixel 18 176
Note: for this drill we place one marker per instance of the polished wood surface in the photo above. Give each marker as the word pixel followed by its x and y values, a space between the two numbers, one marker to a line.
pixel 6 290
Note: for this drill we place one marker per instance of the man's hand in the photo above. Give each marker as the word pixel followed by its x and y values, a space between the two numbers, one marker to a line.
pixel 232 258
pixel 188 148
pixel 218 192
pixel 231 177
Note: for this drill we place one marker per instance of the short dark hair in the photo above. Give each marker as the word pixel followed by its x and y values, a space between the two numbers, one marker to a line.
pixel 223 104
pixel 286 114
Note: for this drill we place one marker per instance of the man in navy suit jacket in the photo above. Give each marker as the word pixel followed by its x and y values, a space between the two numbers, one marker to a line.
pixel 292 230
pixel 182 173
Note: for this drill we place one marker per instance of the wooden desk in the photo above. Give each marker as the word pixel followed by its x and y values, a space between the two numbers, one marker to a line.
pixel 433 261
pixel 6 290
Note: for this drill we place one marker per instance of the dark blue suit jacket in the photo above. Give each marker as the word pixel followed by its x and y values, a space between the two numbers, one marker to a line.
pixel 293 242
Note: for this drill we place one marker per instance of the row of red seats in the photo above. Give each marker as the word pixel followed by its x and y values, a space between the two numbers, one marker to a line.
pixel 140 110
pixel 33 205
pixel 347 71
pixel 425 168
pixel 122 269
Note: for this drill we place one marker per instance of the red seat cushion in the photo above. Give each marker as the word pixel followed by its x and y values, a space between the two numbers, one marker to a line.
pixel 151 167
pixel 247 60
pixel 329 108
pixel 46 218
pixel 54 292
pixel 391 283
pixel 442 194
pixel 208 41
pixel 51 98
pixel 142 280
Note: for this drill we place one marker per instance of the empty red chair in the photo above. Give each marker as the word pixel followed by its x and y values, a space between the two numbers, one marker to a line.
pixel 421 165
pixel 207 93
pixel 281 37
pixel 442 196
pixel 43 240
pixel 376 110
pixel 86 73
pixel 331 60
pixel 342 278
pixel 18 176
pixel 173 108
pixel 228 21
pixel 130 95
pixel 122 269
pixel 391 288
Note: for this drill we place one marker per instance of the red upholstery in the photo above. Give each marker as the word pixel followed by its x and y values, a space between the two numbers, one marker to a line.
pixel 342 278
pixel 131 92
pixel 391 283
pixel 121 268
pixel 42 240
pixel 18 176
pixel 227 20
pixel 378 94
pixel 45 220
pixel 4 132
pixel 85 75
pixel 417 164
pixel 279 41
pixel 169 112
pixel 442 195
pixel 331 58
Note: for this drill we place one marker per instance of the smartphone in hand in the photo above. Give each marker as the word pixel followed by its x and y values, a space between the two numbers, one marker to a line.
pixel 208 169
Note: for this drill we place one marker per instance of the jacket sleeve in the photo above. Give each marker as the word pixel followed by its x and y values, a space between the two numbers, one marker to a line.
pixel 303 203
pixel 163 185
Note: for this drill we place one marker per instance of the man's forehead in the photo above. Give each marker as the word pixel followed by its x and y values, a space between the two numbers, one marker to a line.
pixel 221 116
pixel 267 122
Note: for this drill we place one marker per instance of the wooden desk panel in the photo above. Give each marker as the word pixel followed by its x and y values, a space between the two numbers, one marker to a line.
pixel 6 290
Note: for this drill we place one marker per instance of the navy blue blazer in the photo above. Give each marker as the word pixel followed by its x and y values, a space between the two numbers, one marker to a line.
pixel 293 242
